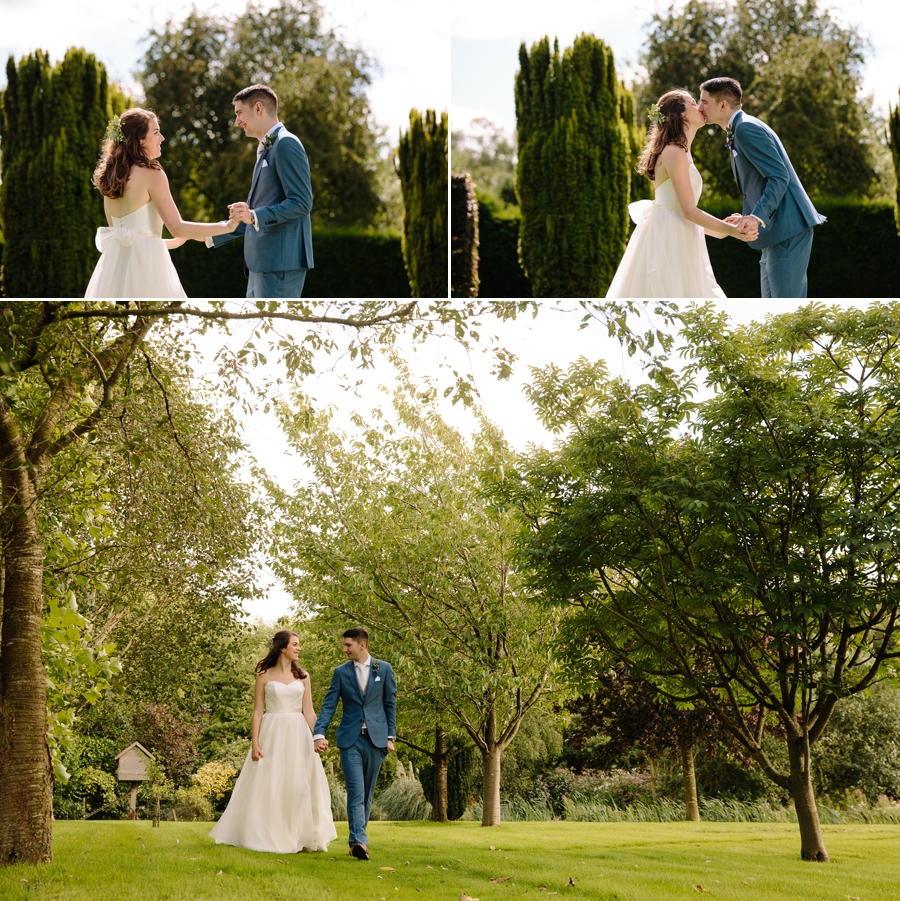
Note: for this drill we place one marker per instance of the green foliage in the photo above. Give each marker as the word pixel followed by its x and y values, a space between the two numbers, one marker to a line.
pixel 403 799
pixel 170 737
pixel 575 134
pixel 488 154
pixel 894 142
pixel 533 754
pixel 463 777
pixel 853 227
pixel 52 122
pixel 350 262
pixel 192 803
pixel 194 67
pixel 801 73
pixel 499 270
pixel 422 167
pixel 861 750
pixel 464 241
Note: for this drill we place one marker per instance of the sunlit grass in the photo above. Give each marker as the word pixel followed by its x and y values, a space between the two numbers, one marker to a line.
pixel 623 861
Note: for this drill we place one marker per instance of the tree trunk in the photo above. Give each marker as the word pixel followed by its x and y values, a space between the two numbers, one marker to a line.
pixel 440 760
pixel 490 815
pixel 689 776
pixel 812 844
pixel 26 799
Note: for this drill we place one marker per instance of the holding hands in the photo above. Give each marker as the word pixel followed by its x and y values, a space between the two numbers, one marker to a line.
pixel 747 226
pixel 240 212
pixel 320 745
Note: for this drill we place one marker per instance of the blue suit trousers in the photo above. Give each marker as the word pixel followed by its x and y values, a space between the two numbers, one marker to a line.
pixel 361 763
pixel 287 283
pixel 782 267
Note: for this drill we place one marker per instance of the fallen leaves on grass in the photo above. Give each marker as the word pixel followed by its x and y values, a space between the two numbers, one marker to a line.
pixel 500 878
pixel 571 881
pixel 465 897
pixel 699 888
pixel 387 869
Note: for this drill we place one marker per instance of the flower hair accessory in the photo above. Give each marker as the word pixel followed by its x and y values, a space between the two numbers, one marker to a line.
pixel 656 116
pixel 114 131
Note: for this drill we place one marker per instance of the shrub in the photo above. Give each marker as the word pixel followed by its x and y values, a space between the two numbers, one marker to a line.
pixel 215 779
pixel 192 804
pixel 499 271
pixel 464 237
pixel 404 799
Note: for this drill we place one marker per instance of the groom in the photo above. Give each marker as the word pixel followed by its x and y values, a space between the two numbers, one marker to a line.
pixel 368 694
pixel 275 219
pixel 773 195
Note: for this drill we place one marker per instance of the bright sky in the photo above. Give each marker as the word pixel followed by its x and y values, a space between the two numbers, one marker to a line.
pixel 552 337
pixel 486 35
pixel 409 39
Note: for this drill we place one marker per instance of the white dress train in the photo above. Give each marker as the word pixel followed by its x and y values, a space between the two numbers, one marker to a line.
pixel 666 255
pixel 134 261
pixel 282 802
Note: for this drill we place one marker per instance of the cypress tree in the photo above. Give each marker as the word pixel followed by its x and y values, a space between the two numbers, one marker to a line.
pixel 574 169
pixel 464 243
pixel 422 167
pixel 894 141
pixel 52 120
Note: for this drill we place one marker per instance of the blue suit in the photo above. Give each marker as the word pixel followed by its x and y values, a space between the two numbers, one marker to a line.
pixel 361 754
pixel 278 255
pixel 772 192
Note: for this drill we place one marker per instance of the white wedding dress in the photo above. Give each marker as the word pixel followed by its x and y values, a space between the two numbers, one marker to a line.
pixel 666 255
pixel 134 260
pixel 280 803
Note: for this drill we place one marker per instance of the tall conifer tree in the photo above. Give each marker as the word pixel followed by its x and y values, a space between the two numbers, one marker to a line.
pixel 52 120
pixel 574 169
pixel 422 167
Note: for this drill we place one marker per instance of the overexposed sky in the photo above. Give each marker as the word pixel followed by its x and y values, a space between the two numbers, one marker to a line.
pixel 410 39
pixel 552 337
pixel 486 35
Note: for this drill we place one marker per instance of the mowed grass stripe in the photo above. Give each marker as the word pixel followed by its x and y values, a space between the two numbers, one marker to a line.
pixel 608 861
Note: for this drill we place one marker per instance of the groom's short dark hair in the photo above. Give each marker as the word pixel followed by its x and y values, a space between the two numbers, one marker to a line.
pixel 722 86
pixel 259 93
pixel 357 633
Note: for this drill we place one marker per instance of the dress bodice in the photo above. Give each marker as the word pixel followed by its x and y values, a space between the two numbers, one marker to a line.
pixel 665 193
pixel 145 220
pixel 281 698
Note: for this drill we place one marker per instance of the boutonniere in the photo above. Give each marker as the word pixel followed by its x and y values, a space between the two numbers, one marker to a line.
pixel 375 665
pixel 729 138
pixel 267 143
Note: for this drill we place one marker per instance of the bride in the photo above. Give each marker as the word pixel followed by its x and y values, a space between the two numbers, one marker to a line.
pixel 281 801
pixel 666 255
pixel 134 259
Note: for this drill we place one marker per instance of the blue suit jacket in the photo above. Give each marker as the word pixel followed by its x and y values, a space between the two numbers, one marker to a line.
pixel 768 183
pixel 281 195
pixel 378 710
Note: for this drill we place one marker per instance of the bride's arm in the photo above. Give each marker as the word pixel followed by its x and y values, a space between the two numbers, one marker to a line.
pixel 158 188
pixel 308 711
pixel 258 704
pixel 676 162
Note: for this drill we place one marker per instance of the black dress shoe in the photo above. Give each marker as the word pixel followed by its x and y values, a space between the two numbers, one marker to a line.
pixel 360 852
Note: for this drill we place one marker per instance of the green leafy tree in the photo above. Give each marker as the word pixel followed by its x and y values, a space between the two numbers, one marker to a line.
pixel 488 154
pixel 574 167
pixel 52 120
pixel 393 531
pixel 193 68
pixel 738 551
pixel 422 167
pixel 801 73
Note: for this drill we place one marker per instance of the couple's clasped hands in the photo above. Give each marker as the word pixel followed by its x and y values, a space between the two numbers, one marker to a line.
pixel 747 226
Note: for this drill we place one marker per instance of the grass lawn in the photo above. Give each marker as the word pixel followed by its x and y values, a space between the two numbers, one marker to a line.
pixel 623 861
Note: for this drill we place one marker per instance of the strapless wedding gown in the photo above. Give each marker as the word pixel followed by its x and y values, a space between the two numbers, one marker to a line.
pixel 666 255
pixel 280 803
pixel 134 261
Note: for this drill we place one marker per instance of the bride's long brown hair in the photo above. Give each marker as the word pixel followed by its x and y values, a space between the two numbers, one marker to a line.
pixel 672 106
pixel 279 643
pixel 118 157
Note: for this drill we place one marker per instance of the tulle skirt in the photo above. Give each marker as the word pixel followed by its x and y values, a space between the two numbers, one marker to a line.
pixel 665 257
pixel 133 264
pixel 281 803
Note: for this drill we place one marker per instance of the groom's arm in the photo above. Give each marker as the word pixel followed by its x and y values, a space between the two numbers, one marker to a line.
pixel 219 240
pixel 329 706
pixel 761 150
pixel 292 169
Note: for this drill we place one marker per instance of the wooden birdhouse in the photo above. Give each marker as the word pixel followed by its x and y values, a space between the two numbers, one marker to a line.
pixel 133 769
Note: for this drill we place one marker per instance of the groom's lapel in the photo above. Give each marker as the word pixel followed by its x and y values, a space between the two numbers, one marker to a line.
pixel 354 679
pixel 734 165
pixel 256 170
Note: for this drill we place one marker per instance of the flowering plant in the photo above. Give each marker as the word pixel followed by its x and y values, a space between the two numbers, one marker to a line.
pixel 656 116
pixel 114 131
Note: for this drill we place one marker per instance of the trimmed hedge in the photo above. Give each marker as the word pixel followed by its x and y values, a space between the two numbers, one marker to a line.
pixel 349 263
pixel 499 272
pixel 463 237
pixel 856 253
